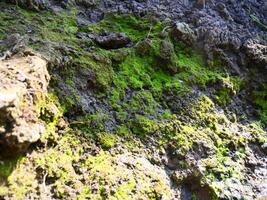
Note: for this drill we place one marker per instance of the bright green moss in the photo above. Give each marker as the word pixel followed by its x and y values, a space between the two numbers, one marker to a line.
pixel 94 123
pixel 124 131
pixel 223 97
pixel 20 179
pixel 125 189
pixel 106 140
pixel 167 115
pixel 107 177
pixel 230 86
pixel 55 27
pixel 142 126
pixel 194 70
pixel 132 73
pixel 136 28
pixel 134 82
pixel 57 162
pixel 50 111
pixel 142 101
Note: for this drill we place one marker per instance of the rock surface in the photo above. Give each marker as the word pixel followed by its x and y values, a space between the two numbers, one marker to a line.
pixel 113 40
pixel 180 113
pixel 23 85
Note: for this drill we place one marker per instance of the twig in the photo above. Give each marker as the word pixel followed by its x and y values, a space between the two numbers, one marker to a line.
pixel 44 179
pixel 151 27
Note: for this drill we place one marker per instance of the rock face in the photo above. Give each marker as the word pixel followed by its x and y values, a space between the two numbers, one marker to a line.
pixel 23 85
pixel 32 4
pixel 157 120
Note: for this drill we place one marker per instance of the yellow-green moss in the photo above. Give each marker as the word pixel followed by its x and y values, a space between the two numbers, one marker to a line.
pixel 106 140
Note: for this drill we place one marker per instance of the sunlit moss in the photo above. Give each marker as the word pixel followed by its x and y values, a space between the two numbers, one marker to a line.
pixel 106 140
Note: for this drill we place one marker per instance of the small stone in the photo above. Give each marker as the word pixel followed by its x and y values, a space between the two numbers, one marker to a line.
pixel 144 47
pixel 113 40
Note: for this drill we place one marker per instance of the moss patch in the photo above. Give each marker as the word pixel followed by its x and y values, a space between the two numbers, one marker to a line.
pixel 260 99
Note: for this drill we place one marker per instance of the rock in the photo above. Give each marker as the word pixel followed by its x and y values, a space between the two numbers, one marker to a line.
pixel 167 56
pixel 12 40
pixel 113 40
pixel 144 47
pixel 223 11
pixel 23 84
pixel 7 45
pixel 32 4
pixel 264 147
pixel 201 3
pixel 221 38
pixel 182 32
pixel 14 43
pixel 86 3
pixel 256 53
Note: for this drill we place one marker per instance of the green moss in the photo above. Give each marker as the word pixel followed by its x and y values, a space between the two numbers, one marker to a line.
pixel 20 182
pixel 106 140
pixel 125 189
pixel 136 28
pixel 7 22
pixel 223 97
pixel 167 115
pixel 142 126
pixel 132 73
pixel 260 99
pixel 230 86
pixel 94 123
pixel 57 163
pixel 107 177
pixel 135 83
pixel 7 166
pixel 56 27
pixel 100 65
pixel 142 101
pixel 193 69
pixel 50 111
pixel 124 131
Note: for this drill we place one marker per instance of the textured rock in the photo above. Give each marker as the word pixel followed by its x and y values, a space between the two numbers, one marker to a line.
pixel 23 84
pixel 144 47
pixel 256 53
pixel 32 4
pixel 182 32
pixel 113 40
pixel 221 28
pixel 86 3
pixel 167 56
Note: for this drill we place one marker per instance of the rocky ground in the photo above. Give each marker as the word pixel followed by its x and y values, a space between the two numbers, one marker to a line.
pixel 133 99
